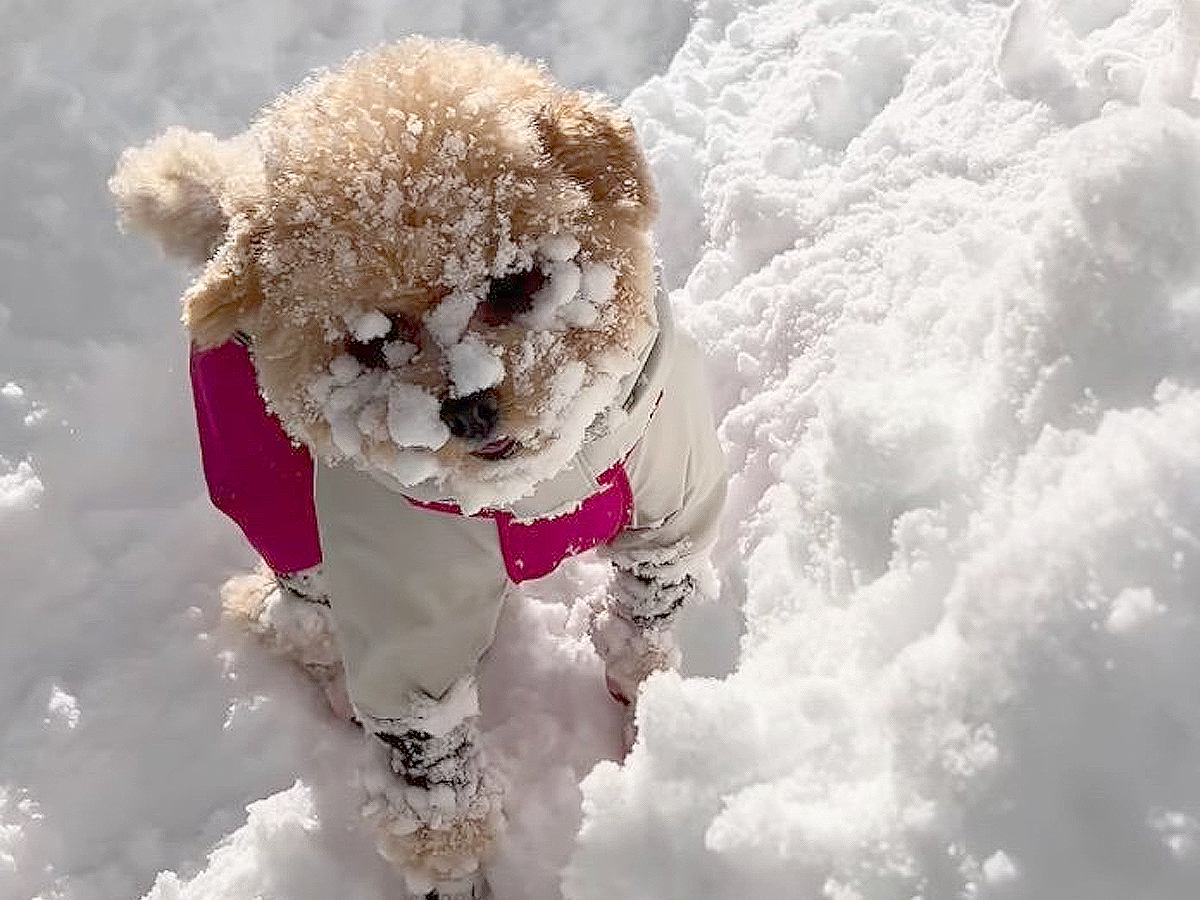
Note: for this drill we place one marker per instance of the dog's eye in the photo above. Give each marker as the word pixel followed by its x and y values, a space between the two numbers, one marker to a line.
pixel 372 355
pixel 510 296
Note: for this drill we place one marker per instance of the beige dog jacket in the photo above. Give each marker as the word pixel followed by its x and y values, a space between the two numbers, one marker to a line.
pixel 418 592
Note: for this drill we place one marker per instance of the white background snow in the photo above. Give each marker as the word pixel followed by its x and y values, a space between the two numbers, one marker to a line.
pixel 942 255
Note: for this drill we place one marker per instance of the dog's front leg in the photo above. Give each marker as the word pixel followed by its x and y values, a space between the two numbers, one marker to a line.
pixel 632 631
pixel 677 476
pixel 434 803
pixel 416 596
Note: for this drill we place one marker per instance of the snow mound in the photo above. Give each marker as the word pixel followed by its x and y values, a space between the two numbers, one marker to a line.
pixel 950 292
pixel 273 840
pixel 112 556
pixel 20 487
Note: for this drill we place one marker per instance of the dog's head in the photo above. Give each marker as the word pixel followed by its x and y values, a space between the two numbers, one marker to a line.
pixel 441 258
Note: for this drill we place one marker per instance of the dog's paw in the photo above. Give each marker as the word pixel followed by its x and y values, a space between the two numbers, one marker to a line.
pixel 631 653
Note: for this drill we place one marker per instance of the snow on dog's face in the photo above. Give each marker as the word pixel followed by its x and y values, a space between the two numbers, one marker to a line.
pixel 445 269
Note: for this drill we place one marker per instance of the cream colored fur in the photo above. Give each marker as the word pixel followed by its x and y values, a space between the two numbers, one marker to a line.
pixel 291 627
pixel 376 186
pixel 182 188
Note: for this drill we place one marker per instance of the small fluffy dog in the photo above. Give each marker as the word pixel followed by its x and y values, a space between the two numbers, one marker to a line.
pixel 441 265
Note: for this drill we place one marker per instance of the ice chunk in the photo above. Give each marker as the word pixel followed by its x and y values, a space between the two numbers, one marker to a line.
pixel 398 353
pixel 344 369
pixel 579 314
pixel 563 280
pixel 559 247
pixel 562 284
pixel 599 283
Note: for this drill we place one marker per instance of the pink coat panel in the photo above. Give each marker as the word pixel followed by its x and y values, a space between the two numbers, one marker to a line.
pixel 255 474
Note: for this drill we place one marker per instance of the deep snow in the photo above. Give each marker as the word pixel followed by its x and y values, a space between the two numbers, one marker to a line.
pixel 942 257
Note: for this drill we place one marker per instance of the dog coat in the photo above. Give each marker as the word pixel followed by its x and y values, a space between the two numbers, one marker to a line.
pixel 261 480
pixel 417 587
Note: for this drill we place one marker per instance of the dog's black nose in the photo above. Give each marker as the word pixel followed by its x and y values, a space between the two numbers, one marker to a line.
pixel 473 416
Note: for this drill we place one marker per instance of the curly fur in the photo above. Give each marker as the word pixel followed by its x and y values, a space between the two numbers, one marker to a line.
pixel 182 187
pixel 293 626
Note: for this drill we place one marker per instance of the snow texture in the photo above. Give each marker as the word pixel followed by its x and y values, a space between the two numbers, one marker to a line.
pixel 20 487
pixel 369 326
pixel 413 417
pixel 474 366
pixel 941 257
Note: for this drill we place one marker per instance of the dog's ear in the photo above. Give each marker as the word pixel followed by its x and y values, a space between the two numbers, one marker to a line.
pixel 227 293
pixel 596 146
pixel 182 188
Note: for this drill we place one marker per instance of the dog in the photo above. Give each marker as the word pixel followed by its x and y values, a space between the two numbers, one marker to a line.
pixel 437 267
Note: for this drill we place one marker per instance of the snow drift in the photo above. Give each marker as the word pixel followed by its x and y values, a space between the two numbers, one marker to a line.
pixel 950 289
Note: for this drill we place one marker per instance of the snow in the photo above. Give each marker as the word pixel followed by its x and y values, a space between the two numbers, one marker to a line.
pixel 951 323
pixel 344 369
pixel 20 487
pixel 474 366
pixel 278 827
pixel 448 320
pixel 414 417
pixel 563 281
pixel 1131 609
pixel 574 293
pixel 998 869
pixel 559 247
pixel 599 283
pixel 371 325
pixel 62 708
pixel 940 255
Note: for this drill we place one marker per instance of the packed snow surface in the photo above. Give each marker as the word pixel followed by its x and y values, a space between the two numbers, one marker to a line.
pixel 941 255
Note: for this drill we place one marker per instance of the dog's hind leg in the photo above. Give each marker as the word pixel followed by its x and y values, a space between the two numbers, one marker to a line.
pixel 290 614
pixel 435 804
